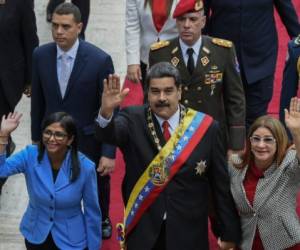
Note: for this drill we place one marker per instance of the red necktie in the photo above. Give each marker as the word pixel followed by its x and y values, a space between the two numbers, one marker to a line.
pixel 166 131
pixel 159 13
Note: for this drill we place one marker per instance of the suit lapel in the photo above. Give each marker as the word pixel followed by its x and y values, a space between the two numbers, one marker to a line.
pixel 203 61
pixel 266 185
pixel 44 173
pixel 53 70
pixel 177 59
pixel 79 64
pixel 63 177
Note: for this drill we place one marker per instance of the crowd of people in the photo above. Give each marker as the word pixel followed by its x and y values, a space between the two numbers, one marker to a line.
pixel 201 146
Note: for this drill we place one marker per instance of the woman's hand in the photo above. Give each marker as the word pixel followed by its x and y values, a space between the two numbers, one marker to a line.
pixel 10 123
pixel 292 117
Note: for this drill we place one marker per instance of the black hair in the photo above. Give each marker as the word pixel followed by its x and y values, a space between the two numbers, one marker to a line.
pixel 67 9
pixel 67 122
pixel 163 69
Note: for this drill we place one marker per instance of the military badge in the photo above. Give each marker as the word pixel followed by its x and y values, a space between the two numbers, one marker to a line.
pixel 200 167
pixel 198 5
pixel 174 50
pixel 222 42
pixel 158 45
pixel 206 50
pixel 175 61
pixel 204 60
pixel 158 174
pixel 2 2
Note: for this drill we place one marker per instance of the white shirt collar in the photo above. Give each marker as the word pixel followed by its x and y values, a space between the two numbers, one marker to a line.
pixel 173 120
pixel 196 47
pixel 71 52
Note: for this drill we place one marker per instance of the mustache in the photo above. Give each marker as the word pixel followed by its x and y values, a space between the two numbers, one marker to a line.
pixel 161 105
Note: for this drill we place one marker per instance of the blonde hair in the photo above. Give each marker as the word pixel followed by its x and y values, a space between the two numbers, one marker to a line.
pixel 278 132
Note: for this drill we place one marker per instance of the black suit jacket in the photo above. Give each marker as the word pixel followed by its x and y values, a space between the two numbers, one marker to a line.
pixel 185 199
pixel 83 94
pixel 18 38
pixel 250 24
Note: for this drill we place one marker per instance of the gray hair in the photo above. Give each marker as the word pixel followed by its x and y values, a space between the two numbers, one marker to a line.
pixel 163 69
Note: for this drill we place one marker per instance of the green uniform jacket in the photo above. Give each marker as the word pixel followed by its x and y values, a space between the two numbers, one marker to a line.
pixel 214 88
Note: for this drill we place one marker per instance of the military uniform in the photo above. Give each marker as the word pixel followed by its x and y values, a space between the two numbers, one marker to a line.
pixel 215 86
pixel 291 75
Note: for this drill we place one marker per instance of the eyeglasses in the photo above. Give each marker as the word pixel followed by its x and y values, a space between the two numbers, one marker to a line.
pixel 267 140
pixel 58 136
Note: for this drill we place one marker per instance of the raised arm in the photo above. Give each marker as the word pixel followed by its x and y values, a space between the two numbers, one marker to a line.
pixel 292 121
pixel 8 125
pixel 112 96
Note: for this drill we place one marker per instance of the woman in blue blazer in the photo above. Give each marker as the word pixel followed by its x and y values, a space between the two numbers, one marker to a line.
pixel 63 211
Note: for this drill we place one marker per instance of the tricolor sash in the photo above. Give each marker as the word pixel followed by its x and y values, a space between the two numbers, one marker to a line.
pixel 163 167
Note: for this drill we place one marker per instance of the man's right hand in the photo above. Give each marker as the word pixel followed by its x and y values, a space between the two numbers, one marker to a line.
pixel 134 73
pixel 112 95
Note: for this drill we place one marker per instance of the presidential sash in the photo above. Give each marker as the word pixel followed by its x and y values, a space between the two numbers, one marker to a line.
pixel 162 169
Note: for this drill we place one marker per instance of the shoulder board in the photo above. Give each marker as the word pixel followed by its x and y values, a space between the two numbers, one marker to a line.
pixel 297 40
pixel 222 42
pixel 159 45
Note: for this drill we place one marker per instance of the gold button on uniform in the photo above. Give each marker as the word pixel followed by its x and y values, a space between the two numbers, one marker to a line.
pixel 199 101
pixel 199 88
pixel 186 101
pixel 186 88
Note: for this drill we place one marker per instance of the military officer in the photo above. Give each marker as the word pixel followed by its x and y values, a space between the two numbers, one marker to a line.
pixel 291 75
pixel 209 70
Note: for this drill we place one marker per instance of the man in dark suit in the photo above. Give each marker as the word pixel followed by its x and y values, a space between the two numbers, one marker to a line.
pixel 83 5
pixel 250 25
pixel 291 77
pixel 68 76
pixel 18 38
pixel 209 71
pixel 172 155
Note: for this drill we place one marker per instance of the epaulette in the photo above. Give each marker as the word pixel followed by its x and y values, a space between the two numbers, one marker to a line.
pixel 297 40
pixel 159 45
pixel 222 42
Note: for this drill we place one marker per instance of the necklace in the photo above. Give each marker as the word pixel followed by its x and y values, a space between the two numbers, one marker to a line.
pixel 152 128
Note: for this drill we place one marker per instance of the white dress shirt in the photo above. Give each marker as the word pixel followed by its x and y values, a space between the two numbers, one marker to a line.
pixel 196 47
pixel 71 55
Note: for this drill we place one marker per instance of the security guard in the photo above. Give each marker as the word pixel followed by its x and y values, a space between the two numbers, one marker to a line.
pixel 209 71
pixel 291 75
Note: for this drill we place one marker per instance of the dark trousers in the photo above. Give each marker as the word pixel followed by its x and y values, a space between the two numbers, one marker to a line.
pixel 103 183
pixel 84 7
pixel 161 240
pixel 48 244
pixel 258 95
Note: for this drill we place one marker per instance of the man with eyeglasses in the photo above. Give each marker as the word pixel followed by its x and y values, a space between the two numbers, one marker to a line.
pixel 68 76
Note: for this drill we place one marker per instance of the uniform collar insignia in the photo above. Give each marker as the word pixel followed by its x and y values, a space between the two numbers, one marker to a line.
pixel 174 61
pixel 174 50
pixel 206 50
pixel 204 60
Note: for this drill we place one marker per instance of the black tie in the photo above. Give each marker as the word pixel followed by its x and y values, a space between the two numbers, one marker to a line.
pixel 190 62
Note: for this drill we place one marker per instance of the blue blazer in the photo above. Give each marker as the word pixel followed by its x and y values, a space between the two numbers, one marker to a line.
pixel 56 207
pixel 250 24
pixel 83 94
